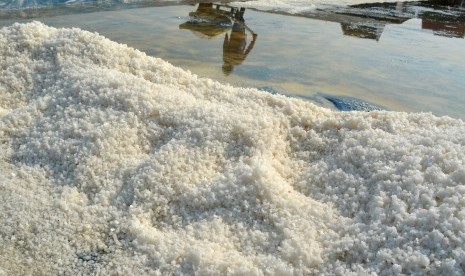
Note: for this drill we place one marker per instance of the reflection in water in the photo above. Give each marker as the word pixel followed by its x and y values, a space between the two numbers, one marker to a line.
pixel 235 49
pixel 447 24
pixel 363 31
pixel 444 28
pixel 368 20
pixel 211 20
pixel 444 17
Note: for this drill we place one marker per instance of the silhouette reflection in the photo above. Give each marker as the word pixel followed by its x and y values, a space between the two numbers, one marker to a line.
pixel 363 31
pixel 235 48
pixel 210 20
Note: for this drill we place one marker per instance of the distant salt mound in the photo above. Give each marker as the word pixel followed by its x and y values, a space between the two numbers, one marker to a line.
pixel 113 162
pixel 22 4
pixel 27 4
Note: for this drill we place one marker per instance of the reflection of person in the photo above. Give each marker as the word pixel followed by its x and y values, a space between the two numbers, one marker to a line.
pixel 208 21
pixel 235 49
pixel 204 9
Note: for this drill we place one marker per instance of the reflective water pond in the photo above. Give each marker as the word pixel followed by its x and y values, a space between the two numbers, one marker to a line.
pixel 399 56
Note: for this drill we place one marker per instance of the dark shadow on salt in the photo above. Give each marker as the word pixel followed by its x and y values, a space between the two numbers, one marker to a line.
pixel 271 90
pixel 352 104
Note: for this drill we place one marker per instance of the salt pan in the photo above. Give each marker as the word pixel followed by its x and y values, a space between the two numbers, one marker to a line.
pixel 114 162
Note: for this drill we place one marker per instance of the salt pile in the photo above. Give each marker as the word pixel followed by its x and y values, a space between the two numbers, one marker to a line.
pixel 113 162
pixel 27 4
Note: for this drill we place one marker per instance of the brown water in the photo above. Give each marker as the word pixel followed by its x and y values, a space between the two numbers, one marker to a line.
pixel 414 64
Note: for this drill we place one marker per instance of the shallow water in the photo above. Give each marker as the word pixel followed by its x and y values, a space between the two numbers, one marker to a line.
pixel 406 67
